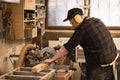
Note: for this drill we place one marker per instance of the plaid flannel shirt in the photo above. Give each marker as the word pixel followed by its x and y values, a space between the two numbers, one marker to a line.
pixel 96 41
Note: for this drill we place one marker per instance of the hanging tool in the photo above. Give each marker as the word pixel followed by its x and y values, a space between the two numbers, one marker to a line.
pixel 1 25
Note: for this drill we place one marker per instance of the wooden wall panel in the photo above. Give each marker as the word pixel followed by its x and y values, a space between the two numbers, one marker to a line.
pixel 5 59
pixel 55 36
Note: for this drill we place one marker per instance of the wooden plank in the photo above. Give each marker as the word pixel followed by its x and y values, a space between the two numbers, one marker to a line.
pixel 22 77
pixel 115 33
pixel 25 69
pixel 40 67
pixel 63 75
pixel 49 75
pixel 9 73
pixel 28 73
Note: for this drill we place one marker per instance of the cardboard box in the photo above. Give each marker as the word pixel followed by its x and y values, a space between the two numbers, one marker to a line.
pixel 29 5
pixel 30 32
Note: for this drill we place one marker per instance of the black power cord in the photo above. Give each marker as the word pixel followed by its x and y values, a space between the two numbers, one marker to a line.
pixel 13 56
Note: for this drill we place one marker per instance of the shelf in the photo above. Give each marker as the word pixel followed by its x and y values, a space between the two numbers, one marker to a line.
pixel 27 11
pixel 37 4
pixel 29 20
pixel 40 17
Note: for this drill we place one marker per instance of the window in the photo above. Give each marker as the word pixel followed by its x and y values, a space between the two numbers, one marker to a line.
pixel 107 10
pixel 57 11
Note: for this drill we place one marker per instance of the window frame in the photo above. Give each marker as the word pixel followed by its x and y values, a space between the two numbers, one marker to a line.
pixel 86 2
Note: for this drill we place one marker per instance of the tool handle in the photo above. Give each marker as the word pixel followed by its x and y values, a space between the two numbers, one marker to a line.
pixel 74 69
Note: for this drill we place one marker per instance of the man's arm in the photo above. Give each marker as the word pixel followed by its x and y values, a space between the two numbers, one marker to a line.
pixel 62 52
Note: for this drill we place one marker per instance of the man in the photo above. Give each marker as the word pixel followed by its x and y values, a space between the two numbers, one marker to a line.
pixel 95 39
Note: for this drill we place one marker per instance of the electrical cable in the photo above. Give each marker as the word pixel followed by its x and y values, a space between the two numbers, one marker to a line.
pixel 11 61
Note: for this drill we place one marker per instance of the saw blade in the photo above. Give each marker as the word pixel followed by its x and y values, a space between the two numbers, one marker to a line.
pixel 47 52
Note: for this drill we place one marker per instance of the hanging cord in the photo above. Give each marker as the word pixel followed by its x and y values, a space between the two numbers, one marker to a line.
pixel 11 61
pixel 14 55
pixel 4 7
pixel 1 24
pixel 9 30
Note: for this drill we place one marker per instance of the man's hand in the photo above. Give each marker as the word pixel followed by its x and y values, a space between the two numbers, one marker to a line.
pixel 62 52
pixel 48 61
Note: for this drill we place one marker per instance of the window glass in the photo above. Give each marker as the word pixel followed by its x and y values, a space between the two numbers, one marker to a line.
pixel 57 11
pixel 107 10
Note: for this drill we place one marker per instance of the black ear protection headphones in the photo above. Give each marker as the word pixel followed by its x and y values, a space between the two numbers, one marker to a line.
pixel 77 17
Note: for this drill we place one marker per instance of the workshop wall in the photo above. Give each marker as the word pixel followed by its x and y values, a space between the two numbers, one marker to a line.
pixel 54 35
pixel 7 62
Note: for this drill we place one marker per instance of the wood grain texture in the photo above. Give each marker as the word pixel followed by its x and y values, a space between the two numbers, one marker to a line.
pixel 40 67
pixel 25 73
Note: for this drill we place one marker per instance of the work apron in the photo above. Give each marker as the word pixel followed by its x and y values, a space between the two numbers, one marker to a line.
pixel 114 66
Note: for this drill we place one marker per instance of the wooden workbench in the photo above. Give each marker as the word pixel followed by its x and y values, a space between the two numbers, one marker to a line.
pixel 63 76
pixel 25 73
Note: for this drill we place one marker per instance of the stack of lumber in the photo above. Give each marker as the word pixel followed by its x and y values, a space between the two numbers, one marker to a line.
pixel 38 72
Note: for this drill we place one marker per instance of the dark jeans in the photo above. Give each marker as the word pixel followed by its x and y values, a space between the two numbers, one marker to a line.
pixel 94 73
pixel 118 67
pixel 98 73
